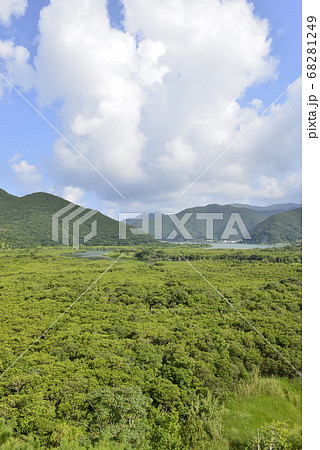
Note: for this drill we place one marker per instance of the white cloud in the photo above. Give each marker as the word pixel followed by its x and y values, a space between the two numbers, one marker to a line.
pixel 73 194
pixel 18 69
pixel 148 53
pixel 273 188
pixel 179 155
pixel 273 146
pixel 257 104
pixel 153 106
pixel 16 157
pixel 93 68
pixel 10 8
pixel 26 174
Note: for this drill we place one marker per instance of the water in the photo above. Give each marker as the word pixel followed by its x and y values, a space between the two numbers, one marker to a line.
pixel 90 254
pixel 240 246
pixel 230 245
pixel 95 255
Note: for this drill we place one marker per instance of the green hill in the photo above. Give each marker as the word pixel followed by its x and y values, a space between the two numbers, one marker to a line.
pixel 278 208
pixel 284 227
pixel 27 221
pixel 250 215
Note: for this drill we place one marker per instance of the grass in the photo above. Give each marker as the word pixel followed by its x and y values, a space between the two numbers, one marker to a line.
pixel 260 403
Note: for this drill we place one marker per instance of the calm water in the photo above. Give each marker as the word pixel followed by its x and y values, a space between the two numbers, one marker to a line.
pixel 90 254
pixel 241 246
pixel 231 245
pixel 95 255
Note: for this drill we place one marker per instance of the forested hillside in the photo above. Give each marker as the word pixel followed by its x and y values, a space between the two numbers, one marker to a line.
pixel 250 215
pixel 284 227
pixel 275 209
pixel 27 222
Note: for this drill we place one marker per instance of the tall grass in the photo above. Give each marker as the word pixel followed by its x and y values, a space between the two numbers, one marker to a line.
pixel 258 403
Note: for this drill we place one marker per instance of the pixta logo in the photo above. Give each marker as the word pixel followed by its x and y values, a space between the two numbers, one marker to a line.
pixel 66 223
pixel 140 224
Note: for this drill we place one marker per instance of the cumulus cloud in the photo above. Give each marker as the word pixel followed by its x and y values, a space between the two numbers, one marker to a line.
pixel 269 153
pixel 73 194
pixel 16 61
pixel 10 8
pixel 26 174
pixel 178 155
pixel 93 70
pixel 153 106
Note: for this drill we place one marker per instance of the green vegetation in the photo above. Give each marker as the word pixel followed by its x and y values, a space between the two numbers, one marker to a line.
pixel 27 222
pixel 284 227
pixel 251 216
pixel 273 401
pixel 276 209
pixel 150 357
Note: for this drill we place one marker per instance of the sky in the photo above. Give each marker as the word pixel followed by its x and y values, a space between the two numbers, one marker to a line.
pixel 151 93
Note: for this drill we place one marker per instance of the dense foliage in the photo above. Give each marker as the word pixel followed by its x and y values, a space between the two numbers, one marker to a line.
pixel 150 356
pixel 250 215
pixel 27 222
pixel 284 227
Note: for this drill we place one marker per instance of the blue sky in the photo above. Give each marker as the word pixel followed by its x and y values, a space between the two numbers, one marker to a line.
pixel 285 31
pixel 152 142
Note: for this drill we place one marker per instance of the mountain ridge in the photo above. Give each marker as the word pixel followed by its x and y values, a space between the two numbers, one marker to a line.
pixel 251 217
pixel 279 228
pixel 27 221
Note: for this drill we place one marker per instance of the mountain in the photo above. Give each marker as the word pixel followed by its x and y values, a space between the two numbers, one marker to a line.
pixel 27 221
pixel 277 207
pixel 284 227
pixel 250 215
